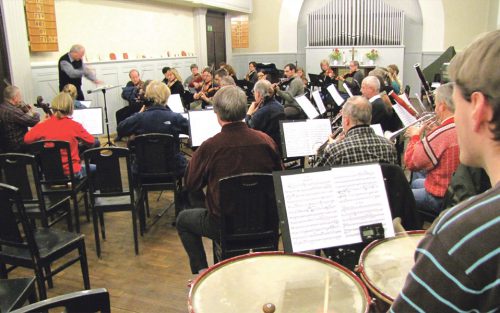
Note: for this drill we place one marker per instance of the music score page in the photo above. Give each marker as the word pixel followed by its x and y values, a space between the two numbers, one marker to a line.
pixel 304 138
pixel 326 208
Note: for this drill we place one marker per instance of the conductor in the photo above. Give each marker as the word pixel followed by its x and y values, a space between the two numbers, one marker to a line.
pixel 71 70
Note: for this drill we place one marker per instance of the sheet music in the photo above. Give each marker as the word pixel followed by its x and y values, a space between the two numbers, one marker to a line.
pixel 175 103
pixel 91 119
pixel 307 106
pixel 405 116
pixel 377 128
pixel 326 208
pixel 319 102
pixel 304 138
pixel 86 103
pixel 347 89
pixel 203 125
pixel 335 95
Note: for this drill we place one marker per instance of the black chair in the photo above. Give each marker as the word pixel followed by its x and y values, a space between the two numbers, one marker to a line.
pixel 15 292
pixel 37 249
pixel 249 215
pixel 108 191
pixel 94 300
pixel 156 167
pixel 48 154
pixel 20 170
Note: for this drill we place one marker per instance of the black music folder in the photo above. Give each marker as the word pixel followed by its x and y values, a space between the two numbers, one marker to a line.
pixel 316 80
pixel 325 207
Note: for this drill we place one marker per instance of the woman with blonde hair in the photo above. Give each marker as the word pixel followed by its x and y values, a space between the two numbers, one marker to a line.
pixel 71 90
pixel 175 82
pixel 60 126
pixel 393 75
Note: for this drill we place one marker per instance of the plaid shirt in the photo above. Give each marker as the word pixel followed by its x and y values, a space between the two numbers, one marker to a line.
pixel 438 154
pixel 360 145
pixel 14 124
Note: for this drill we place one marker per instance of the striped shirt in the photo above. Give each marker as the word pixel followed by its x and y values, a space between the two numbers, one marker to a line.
pixel 457 263
pixel 438 154
pixel 360 145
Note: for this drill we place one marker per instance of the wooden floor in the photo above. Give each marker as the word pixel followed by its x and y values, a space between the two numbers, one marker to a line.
pixel 153 281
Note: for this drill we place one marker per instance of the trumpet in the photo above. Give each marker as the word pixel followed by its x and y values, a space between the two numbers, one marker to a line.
pixel 425 117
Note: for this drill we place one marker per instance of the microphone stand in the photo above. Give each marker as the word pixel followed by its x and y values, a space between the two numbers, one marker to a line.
pixel 106 121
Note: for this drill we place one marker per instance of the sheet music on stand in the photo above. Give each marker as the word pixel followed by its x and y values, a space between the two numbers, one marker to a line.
pixel 405 116
pixel 349 92
pixel 303 138
pixel 319 102
pixel 407 101
pixel 202 125
pixel 91 119
pixel 174 102
pixel 335 95
pixel 322 207
pixel 377 128
pixel 307 106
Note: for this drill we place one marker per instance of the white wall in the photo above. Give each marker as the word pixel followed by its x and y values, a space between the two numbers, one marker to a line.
pixel 289 15
pixel 433 25
pixel 138 28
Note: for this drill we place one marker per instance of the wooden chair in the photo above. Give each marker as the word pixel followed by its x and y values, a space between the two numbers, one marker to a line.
pixel 15 292
pixel 21 171
pixel 94 300
pixel 155 161
pixel 54 181
pixel 37 249
pixel 108 191
pixel 249 215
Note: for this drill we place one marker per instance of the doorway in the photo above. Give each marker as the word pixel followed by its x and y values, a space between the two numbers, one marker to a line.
pixel 216 38
pixel 4 61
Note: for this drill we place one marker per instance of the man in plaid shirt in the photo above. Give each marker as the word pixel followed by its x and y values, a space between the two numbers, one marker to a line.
pixel 15 118
pixel 358 143
pixel 436 154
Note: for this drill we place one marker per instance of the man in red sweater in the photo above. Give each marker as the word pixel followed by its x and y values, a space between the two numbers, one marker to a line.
pixel 435 157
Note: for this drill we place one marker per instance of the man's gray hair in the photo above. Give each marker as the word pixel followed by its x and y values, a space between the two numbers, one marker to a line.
pixel 359 110
pixel 227 81
pixel 76 48
pixel 372 81
pixel 230 103
pixel 10 92
pixel 445 93
pixel 264 88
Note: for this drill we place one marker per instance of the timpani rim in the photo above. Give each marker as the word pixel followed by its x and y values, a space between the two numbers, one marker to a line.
pixel 361 270
pixel 215 267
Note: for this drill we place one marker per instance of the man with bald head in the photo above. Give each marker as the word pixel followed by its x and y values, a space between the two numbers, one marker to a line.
pixel 370 89
pixel 359 144
pixel 71 70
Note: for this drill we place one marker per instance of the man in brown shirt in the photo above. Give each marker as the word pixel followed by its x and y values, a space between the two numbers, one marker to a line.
pixel 235 150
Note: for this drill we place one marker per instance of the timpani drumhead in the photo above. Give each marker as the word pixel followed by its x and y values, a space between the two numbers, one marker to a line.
pixel 384 264
pixel 294 283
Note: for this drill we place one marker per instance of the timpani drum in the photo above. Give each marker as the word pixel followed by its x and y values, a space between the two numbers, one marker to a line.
pixel 384 264
pixel 278 282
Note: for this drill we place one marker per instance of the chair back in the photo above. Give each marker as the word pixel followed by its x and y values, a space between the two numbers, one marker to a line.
pixel 249 214
pixel 106 180
pixel 20 170
pixel 10 235
pixel 155 156
pixel 50 155
pixel 94 300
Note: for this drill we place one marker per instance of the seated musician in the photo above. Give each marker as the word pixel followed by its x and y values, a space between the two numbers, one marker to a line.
pixel 265 112
pixel 294 88
pixel 235 150
pixel 131 93
pixel 73 93
pixel 434 157
pixel 357 77
pixel 194 74
pixel 396 83
pixel 370 88
pixel 15 118
pixel 60 126
pixel 208 89
pixel 155 117
pixel 230 71
pixel 174 82
pixel 252 72
pixel 302 75
pixel 358 143
pixel 164 71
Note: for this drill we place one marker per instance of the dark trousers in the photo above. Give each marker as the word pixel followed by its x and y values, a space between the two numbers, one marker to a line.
pixel 125 112
pixel 192 225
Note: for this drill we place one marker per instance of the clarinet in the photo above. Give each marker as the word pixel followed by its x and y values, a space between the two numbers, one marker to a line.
pixel 426 86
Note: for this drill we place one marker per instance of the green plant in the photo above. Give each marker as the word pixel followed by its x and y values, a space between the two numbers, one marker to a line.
pixel 372 55
pixel 336 55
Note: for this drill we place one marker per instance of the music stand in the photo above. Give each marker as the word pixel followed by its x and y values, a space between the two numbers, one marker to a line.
pixel 106 121
pixel 316 80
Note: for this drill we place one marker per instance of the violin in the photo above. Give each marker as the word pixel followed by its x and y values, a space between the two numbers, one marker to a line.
pixel 39 104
